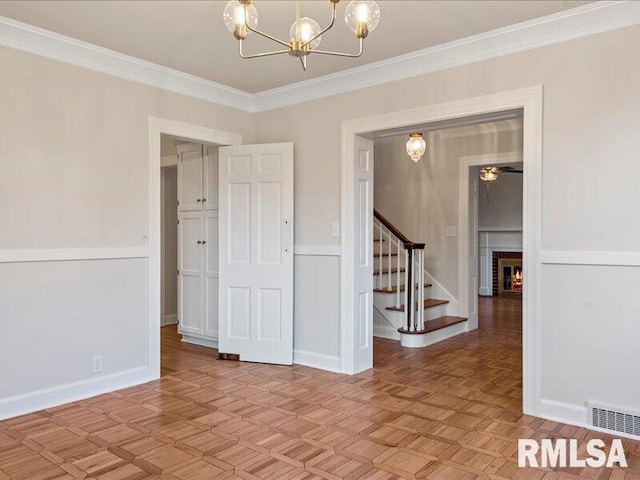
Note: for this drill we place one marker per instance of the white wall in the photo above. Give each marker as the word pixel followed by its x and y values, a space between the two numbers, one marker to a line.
pixel 421 199
pixel 66 186
pixel 169 228
pixel 500 202
pixel 590 191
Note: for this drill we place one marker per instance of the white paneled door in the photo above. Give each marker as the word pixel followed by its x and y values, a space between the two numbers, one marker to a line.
pixel 256 252
pixel 363 301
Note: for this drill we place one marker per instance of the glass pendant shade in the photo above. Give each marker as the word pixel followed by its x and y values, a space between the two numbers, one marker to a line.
pixel 416 146
pixel 303 30
pixel 234 15
pixel 362 12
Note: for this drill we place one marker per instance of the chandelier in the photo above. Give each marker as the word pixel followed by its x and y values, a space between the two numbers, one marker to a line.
pixel 361 16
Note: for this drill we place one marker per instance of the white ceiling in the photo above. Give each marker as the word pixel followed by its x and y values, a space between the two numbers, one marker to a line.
pixel 190 36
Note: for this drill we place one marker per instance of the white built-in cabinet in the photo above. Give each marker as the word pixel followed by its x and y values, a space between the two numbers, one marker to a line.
pixel 198 244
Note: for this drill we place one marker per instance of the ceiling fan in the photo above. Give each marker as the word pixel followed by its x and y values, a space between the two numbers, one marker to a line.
pixel 490 174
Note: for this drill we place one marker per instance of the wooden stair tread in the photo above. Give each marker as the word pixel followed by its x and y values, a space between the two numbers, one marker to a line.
pixel 379 240
pixel 436 324
pixel 394 288
pixel 428 303
pixel 377 255
pixel 385 271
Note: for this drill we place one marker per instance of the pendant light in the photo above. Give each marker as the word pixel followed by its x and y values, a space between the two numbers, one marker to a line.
pixel 416 146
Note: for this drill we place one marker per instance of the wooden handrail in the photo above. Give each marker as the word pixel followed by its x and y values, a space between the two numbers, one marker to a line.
pixel 408 244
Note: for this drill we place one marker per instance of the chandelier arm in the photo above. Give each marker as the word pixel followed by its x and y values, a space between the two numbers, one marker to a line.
pixel 258 55
pixel 303 61
pixel 266 35
pixel 333 21
pixel 341 54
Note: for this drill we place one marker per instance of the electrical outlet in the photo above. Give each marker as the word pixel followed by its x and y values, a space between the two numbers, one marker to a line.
pixel 335 229
pixel 96 364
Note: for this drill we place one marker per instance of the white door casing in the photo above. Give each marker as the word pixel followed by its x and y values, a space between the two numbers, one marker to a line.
pixel 473 198
pixel 363 307
pixel 256 252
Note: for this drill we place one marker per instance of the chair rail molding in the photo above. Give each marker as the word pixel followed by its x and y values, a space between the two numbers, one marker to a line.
pixel 590 19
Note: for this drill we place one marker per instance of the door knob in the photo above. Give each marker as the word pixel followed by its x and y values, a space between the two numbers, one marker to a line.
pixel 199 242
pixel 204 199
pixel 204 242
pixel 198 200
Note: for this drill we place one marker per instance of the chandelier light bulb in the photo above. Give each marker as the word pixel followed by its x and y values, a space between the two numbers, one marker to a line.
pixel 234 18
pixel 416 146
pixel 362 17
pixel 303 30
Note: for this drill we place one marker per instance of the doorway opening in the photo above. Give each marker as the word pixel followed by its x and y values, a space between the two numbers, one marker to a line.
pixel 189 211
pixel 415 225
pixel 357 263
pixel 163 190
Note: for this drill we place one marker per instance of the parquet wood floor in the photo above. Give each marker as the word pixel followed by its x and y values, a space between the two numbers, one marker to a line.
pixel 451 411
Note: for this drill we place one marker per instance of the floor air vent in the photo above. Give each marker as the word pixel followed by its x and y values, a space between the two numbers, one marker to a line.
pixel 614 420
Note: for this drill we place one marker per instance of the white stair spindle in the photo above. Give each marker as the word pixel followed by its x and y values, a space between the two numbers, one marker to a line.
pixel 421 274
pixel 389 262
pixel 406 290
pixel 380 254
pixel 398 263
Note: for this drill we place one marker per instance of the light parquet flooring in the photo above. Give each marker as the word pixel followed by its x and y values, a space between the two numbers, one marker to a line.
pixel 450 411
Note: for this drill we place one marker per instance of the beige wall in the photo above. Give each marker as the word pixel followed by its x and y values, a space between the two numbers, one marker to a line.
pixel 421 199
pixel 75 156
pixel 74 175
pixel 590 191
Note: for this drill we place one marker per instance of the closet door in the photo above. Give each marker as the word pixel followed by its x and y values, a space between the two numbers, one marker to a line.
pixel 190 279
pixel 210 200
pixel 190 167
pixel 211 275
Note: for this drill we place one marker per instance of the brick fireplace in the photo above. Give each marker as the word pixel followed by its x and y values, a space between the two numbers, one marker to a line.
pixel 511 261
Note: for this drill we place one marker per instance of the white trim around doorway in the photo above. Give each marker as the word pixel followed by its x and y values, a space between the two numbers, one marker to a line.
pixel 196 133
pixel 464 178
pixel 530 100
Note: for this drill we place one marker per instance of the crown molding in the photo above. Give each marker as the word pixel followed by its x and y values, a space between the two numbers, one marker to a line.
pixel 567 25
pixel 579 22
pixel 52 45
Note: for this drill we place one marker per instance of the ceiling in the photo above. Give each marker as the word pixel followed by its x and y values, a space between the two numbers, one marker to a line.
pixel 190 36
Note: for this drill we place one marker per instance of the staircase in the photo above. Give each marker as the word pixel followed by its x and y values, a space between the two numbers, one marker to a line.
pixel 399 262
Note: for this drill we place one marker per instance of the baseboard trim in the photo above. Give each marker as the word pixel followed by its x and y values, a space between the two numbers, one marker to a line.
pixel 203 342
pixel 564 412
pixel 72 392
pixel 575 415
pixel 386 332
pixel 169 320
pixel 317 360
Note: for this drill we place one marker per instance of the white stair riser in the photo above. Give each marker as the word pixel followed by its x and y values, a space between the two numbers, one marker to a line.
pixel 383 279
pixel 423 340
pixel 385 262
